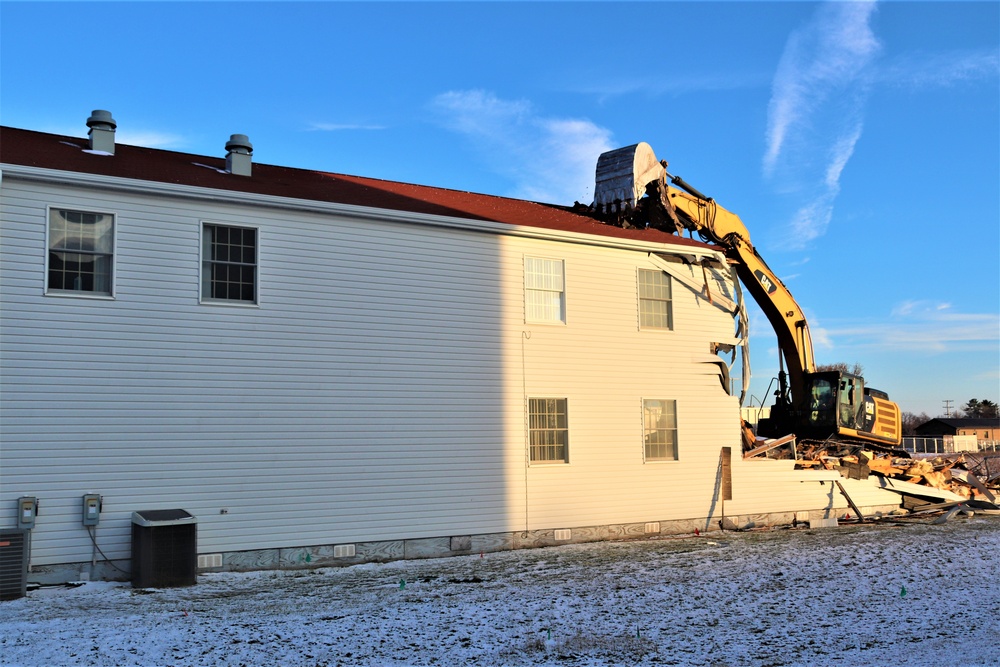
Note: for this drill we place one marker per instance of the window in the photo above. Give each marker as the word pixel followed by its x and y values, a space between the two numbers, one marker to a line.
pixel 81 251
pixel 655 311
pixel 544 291
pixel 660 429
pixel 229 264
pixel 548 430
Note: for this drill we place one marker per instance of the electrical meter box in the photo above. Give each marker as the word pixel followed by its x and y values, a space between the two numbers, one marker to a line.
pixel 92 503
pixel 27 511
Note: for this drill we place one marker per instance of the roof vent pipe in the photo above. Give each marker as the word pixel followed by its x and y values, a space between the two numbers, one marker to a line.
pixel 102 131
pixel 238 152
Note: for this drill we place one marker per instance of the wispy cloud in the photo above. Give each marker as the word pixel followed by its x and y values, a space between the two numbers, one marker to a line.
pixel 924 326
pixel 548 159
pixel 337 127
pixel 943 70
pixel 669 83
pixel 818 99
pixel 815 115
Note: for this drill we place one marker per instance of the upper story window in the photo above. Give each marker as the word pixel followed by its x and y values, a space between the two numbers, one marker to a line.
pixel 229 264
pixel 544 290
pixel 655 305
pixel 81 251
pixel 660 429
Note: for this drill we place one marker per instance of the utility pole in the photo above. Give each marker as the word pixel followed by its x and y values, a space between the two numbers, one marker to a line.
pixel 947 407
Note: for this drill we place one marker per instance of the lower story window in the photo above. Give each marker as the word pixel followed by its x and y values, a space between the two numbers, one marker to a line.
pixel 229 264
pixel 548 430
pixel 660 429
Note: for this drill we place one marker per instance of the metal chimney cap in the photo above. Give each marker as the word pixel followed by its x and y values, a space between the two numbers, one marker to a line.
pixel 100 117
pixel 237 142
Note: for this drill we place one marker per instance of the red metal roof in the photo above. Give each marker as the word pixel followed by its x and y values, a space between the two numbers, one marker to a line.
pixel 50 151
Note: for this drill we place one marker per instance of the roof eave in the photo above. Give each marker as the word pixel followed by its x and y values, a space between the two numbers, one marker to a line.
pixel 139 186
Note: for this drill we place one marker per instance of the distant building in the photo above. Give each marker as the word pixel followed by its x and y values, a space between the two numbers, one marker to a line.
pixel 984 428
pixel 753 415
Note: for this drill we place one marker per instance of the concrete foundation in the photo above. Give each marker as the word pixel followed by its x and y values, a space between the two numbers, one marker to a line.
pixel 338 555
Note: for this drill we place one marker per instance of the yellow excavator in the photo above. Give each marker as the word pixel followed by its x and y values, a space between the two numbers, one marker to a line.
pixel 632 190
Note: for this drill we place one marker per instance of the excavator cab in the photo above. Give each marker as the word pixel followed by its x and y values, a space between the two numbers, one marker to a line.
pixel 837 400
pixel 839 403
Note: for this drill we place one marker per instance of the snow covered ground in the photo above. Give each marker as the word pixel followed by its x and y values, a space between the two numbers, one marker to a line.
pixel 905 594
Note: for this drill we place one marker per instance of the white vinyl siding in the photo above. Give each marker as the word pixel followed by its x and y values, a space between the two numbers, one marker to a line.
pixel 655 296
pixel 379 391
pixel 544 290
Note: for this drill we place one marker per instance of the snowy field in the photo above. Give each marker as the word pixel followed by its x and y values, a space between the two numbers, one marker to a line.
pixel 905 594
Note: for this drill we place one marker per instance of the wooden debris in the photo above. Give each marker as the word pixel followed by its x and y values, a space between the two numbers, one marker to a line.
pixel 943 474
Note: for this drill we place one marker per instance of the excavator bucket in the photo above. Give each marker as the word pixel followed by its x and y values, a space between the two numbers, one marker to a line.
pixel 622 176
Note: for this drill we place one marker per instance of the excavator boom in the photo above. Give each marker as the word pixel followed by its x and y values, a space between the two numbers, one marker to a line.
pixel 632 189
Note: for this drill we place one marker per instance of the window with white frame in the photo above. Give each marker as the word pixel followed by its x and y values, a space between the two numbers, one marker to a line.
pixel 660 429
pixel 544 290
pixel 81 251
pixel 655 306
pixel 548 430
pixel 229 264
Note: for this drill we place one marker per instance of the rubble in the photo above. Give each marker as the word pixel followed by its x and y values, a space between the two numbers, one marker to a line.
pixel 952 483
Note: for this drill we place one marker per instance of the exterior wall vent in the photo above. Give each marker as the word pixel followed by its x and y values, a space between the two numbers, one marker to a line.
pixel 563 534
pixel 238 152
pixel 652 527
pixel 102 131
pixel 208 561
pixel 343 551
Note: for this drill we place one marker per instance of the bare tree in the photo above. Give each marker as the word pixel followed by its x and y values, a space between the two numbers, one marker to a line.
pixel 911 421
pixel 857 369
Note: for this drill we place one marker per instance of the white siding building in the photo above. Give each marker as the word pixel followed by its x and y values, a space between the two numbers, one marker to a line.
pixel 306 360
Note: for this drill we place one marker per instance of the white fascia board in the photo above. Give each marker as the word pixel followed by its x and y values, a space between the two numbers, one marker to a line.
pixel 138 186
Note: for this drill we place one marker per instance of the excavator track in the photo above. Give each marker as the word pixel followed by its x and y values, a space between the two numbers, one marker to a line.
pixel 851 446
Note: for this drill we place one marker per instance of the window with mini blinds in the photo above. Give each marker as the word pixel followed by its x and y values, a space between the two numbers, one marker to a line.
pixel 660 429
pixel 229 264
pixel 548 430
pixel 81 251
pixel 655 300
pixel 544 290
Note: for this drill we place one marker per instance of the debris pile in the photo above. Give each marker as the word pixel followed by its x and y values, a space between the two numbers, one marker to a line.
pixel 971 479
pixel 947 474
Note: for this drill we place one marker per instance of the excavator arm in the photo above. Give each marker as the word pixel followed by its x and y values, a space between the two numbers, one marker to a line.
pixel 632 190
pixel 723 228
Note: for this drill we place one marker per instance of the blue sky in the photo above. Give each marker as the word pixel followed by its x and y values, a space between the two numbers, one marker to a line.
pixel 859 142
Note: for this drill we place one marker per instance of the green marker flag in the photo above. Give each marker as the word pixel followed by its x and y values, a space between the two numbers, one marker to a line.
pixel 902 592
pixel 402 584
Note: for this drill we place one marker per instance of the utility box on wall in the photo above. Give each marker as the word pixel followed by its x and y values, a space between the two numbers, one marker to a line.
pixel 164 549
